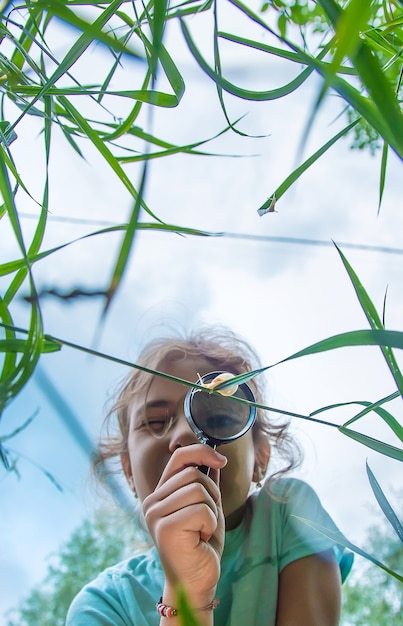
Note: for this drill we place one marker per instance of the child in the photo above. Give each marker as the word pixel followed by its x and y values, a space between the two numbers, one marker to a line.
pixel 241 555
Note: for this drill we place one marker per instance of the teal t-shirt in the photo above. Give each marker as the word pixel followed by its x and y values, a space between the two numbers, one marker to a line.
pixel 269 538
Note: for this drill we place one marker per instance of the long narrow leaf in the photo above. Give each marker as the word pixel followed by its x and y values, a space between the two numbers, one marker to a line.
pixel 390 338
pixel 103 149
pixel 382 177
pixel 90 32
pixel 341 540
pixel 75 52
pixel 375 81
pixel 374 444
pixel 348 29
pixel 8 199
pixel 376 407
pixel 13 266
pixel 385 504
pixel 157 24
pixel 40 228
pixel 245 94
pixel 290 180
pixel 9 358
pixel 373 319
pixel 363 105
pixel 19 345
pixel 281 53
pixel 127 244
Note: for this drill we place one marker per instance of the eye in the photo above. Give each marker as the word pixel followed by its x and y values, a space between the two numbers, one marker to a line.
pixel 222 425
pixel 157 424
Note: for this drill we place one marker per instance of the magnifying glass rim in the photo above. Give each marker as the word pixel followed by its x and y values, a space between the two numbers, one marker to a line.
pixel 200 434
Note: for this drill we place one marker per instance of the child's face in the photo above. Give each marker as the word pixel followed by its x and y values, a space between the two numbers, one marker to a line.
pixel 148 454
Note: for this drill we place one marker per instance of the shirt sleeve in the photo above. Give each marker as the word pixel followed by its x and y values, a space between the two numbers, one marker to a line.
pixel 122 595
pixel 95 607
pixel 299 539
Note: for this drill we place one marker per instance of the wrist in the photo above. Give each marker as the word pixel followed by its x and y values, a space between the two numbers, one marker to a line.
pixel 177 601
pixel 174 593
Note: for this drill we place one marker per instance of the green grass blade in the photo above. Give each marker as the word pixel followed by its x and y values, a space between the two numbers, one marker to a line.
pixel 281 53
pixel 174 149
pixel 17 346
pixel 245 94
pixel 364 106
pixel 102 148
pixel 157 98
pixel 26 40
pixel 127 245
pixel 341 540
pixel 13 266
pixel 14 379
pixel 384 504
pixel 173 75
pixel 373 319
pixel 187 617
pixel 157 25
pixel 390 338
pixel 77 49
pixel 90 31
pixel 374 444
pixel 387 417
pixel 193 9
pixel 8 162
pixel 370 407
pixel 382 177
pixel 8 200
pixel 293 177
pixel 7 134
pixel 127 124
pixel 353 20
pixel 373 78
pixel 40 229
pixel 345 42
pixel 9 358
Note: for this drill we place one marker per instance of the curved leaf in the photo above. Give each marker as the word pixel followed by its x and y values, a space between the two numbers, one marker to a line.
pixel 384 504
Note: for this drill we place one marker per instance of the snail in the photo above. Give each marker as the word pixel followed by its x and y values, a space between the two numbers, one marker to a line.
pixel 227 391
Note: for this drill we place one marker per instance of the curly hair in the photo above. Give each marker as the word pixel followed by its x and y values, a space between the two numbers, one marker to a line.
pixel 226 352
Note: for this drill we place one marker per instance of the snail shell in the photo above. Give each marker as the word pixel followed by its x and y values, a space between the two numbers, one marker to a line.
pixel 227 391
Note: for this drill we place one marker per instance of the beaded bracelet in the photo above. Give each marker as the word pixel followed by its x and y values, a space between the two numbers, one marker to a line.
pixel 168 611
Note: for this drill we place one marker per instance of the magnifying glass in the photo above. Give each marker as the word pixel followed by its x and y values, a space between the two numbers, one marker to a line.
pixel 218 418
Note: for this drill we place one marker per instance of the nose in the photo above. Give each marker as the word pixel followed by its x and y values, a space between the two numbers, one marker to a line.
pixel 181 434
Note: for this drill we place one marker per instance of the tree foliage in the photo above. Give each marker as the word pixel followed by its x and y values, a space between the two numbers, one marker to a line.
pixel 371 596
pixel 93 546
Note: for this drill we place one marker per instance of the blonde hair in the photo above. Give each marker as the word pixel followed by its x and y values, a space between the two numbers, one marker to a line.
pixel 226 352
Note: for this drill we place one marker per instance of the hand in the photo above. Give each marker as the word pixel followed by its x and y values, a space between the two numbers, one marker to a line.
pixel 185 518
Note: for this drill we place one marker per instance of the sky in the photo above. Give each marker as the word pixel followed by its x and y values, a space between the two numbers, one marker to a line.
pixel 279 295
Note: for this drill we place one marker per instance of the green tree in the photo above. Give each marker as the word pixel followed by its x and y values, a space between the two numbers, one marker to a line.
pixel 94 545
pixel 371 596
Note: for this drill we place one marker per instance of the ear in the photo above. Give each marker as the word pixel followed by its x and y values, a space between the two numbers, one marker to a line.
pixel 262 457
pixel 127 470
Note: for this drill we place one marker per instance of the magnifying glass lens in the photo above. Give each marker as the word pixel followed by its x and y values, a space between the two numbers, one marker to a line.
pixel 220 417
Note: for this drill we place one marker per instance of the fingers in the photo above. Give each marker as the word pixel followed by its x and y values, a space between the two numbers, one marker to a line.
pixel 188 492
pixel 193 456
pixel 190 475
pixel 186 526
pixel 185 518
pixel 185 499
